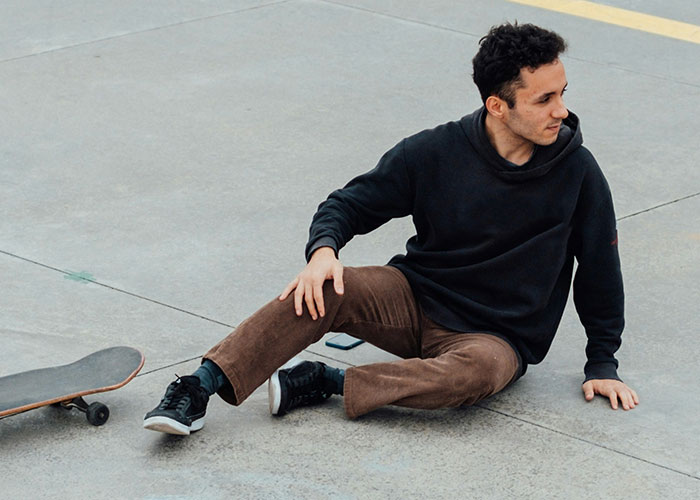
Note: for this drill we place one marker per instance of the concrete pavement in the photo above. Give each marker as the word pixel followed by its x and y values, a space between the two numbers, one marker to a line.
pixel 174 153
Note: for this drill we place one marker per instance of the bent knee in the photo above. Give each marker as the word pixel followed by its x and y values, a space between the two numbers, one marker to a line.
pixel 486 372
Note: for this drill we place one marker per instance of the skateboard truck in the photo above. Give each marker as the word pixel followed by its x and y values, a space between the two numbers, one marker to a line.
pixel 96 413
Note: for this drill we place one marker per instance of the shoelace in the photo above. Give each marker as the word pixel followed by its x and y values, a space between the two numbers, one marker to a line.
pixel 305 390
pixel 181 395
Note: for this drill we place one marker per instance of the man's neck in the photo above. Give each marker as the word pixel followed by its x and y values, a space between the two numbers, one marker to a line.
pixel 513 148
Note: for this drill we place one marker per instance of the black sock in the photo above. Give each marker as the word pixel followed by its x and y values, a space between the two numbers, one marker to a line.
pixel 337 378
pixel 210 376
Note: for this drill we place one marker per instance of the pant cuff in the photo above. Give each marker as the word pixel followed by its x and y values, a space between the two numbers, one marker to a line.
pixel 232 392
pixel 348 394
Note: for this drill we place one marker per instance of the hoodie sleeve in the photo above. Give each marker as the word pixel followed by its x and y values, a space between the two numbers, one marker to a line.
pixel 598 289
pixel 364 204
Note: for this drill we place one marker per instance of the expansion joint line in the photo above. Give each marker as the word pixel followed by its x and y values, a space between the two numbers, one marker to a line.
pixel 339 3
pixel 153 301
pixel 398 18
pixel 659 206
pixel 155 28
pixel 131 294
pixel 161 368
pixel 178 363
pixel 550 429
pixel 592 443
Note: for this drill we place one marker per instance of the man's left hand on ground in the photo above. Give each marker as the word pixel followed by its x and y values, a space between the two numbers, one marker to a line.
pixel 612 389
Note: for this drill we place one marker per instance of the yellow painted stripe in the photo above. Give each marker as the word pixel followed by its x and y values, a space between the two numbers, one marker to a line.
pixel 620 17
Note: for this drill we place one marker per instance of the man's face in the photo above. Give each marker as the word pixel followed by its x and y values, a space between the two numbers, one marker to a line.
pixel 539 105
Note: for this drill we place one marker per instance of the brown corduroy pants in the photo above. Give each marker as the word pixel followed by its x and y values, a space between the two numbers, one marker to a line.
pixel 441 368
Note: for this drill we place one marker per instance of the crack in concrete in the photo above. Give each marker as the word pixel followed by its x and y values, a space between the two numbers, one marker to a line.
pixel 583 440
pixel 399 18
pixel 165 367
pixel 412 21
pixel 353 7
pixel 486 408
pixel 659 206
pixel 154 28
pixel 131 294
pixel 460 32
pixel 177 363
pixel 571 436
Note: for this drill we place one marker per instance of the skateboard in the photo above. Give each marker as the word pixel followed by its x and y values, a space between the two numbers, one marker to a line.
pixel 66 385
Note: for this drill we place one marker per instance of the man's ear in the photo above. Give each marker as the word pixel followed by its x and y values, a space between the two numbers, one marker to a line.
pixel 495 106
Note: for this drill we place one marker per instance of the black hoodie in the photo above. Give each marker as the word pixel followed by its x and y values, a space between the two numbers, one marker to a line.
pixel 495 242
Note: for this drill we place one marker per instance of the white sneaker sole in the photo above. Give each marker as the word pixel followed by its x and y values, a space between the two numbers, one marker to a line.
pixel 274 389
pixel 170 426
pixel 274 393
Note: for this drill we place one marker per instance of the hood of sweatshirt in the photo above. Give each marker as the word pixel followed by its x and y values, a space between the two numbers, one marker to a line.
pixel 543 159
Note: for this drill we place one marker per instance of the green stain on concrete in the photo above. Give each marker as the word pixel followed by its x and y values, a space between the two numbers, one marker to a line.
pixel 81 277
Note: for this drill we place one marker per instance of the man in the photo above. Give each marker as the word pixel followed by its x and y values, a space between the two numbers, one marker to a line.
pixel 503 201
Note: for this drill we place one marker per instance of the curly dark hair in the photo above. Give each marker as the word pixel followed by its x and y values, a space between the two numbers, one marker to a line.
pixel 508 48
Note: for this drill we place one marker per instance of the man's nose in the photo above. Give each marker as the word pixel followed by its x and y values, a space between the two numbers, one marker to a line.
pixel 560 112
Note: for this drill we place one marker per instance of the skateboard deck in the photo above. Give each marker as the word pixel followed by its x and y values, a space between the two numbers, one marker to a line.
pixel 66 385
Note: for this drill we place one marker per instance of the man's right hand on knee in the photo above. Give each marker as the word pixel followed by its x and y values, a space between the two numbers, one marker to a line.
pixel 308 285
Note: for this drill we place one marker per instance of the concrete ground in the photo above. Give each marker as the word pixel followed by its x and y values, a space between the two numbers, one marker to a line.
pixel 159 167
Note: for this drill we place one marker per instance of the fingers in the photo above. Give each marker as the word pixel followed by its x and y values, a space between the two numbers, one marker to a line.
pixel 308 289
pixel 617 392
pixel 629 399
pixel 338 280
pixel 308 286
pixel 289 288
pixel 309 299
pixel 305 293
pixel 318 297
pixel 298 297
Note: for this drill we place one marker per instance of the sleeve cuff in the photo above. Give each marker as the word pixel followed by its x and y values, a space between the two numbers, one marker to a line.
pixel 325 241
pixel 601 371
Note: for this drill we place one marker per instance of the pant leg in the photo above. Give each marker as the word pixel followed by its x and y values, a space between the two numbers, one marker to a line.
pixel 378 306
pixel 457 369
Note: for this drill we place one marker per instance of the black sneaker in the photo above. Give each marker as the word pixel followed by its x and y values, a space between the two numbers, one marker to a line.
pixel 181 410
pixel 299 385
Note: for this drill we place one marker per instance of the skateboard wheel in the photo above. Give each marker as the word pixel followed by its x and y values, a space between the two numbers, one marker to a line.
pixel 97 413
